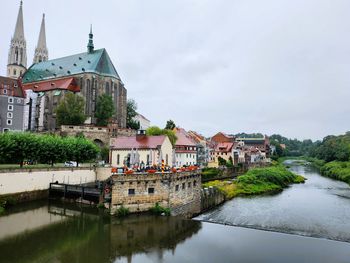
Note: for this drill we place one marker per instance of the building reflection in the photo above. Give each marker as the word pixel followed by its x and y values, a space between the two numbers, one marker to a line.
pixel 85 235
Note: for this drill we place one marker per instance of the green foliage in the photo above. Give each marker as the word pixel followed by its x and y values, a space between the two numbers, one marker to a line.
pixel 105 154
pixel 258 181
pixel 221 161
pixel 294 147
pixel 159 210
pixel 209 173
pixel 337 170
pixel 131 113
pixel 70 110
pixel 15 147
pixel 170 125
pixel 104 109
pixel 154 131
pixel 229 163
pixel 122 211
pixel 333 148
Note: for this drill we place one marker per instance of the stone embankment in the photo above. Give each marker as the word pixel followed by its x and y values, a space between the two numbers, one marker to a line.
pixel 210 198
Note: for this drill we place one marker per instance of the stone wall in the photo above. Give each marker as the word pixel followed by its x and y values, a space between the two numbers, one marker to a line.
pixel 27 180
pixel 139 192
pixel 210 198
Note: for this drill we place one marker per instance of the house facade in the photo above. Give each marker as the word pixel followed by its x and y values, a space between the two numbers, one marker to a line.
pixel 185 149
pixel 12 103
pixel 150 150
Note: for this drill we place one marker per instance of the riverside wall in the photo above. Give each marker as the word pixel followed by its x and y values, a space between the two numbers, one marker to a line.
pixel 181 192
pixel 33 184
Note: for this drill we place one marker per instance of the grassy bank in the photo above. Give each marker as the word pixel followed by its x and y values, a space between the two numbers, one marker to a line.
pixel 337 170
pixel 258 181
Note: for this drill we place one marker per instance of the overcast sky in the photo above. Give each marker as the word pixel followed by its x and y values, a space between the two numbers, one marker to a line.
pixel 272 66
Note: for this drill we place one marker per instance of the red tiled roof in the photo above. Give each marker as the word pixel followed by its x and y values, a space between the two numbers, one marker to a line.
pixel 183 139
pixel 145 142
pixel 53 84
pixel 224 147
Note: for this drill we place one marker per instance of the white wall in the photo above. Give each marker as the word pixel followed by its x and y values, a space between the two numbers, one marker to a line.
pixel 17 182
pixel 186 159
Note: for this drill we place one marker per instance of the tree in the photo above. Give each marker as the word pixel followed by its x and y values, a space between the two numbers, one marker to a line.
pixel 131 113
pixel 70 110
pixel 221 161
pixel 155 130
pixel 170 125
pixel 104 109
pixel 51 149
pixel 80 149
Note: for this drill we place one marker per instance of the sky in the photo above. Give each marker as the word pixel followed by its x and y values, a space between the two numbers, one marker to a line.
pixel 272 66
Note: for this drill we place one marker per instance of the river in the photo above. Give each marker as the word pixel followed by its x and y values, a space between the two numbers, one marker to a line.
pixel 301 221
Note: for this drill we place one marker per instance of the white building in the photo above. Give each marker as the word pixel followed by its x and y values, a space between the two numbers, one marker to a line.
pixel 185 149
pixel 143 121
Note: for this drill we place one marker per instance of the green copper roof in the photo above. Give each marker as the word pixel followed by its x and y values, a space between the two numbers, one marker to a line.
pixel 96 62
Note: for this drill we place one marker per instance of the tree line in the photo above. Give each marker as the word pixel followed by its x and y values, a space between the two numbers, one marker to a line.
pixel 17 147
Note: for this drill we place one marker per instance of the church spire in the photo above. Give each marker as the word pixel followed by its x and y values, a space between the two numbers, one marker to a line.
pixel 41 52
pixel 17 59
pixel 19 31
pixel 90 45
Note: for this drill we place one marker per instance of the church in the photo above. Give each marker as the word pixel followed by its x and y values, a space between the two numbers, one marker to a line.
pixel 89 74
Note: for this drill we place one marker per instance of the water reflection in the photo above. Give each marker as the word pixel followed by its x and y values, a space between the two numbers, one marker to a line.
pixel 79 234
pixel 318 208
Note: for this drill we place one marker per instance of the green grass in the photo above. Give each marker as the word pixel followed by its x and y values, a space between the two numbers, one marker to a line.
pixel 258 181
pixel 337 170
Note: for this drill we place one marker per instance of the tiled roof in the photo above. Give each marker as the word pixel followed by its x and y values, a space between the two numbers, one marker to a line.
pixel 183 139
pixel 134 142
pixel 53 84
pixel 13 87
pixel 224 147
pixel 96 62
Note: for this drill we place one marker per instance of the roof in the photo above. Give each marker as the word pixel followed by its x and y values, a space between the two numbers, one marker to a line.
pixel 183 139
pixel 141 116
pixel 134 142
pixel 252 140
pixel 13 87
pixel 53 84
pixel 224 147
pixel 97 61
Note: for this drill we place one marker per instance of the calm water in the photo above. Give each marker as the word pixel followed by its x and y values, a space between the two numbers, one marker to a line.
pixel 69 233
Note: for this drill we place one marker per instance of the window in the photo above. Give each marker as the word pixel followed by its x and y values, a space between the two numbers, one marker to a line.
pixel 14 72
pixel 9 122
pixel 147 159
pixel 131 191
pixel 194 183
pixel 10 100
pixel 183 186
pixel 118 159
pixel 6 130
pixel 166 159
pixel 176 187
pixel 9 115
pixel 10 107
pixel 189 185
pixel 151 190
pixel 5 91
pixel 19 101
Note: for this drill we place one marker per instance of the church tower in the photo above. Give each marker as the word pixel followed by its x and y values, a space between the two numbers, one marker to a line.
pixel 41 52
pixel 17 59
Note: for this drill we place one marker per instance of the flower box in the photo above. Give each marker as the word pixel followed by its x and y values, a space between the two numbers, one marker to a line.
pixel 151 171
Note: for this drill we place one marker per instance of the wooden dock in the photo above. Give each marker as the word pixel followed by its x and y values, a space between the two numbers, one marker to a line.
pixel 69 191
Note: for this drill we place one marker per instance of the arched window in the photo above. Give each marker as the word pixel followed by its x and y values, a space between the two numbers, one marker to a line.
pixel 107 88
pixel 88 97
pixel 118 159
pixel 166 159
pixel 16 55
pixel 21 57
pixel 14 72
pixel 40 59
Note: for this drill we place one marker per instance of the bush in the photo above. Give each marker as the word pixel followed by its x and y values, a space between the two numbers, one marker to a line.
pixel 209 173
pixel 337 170
pixel 122 211
pixel 159 210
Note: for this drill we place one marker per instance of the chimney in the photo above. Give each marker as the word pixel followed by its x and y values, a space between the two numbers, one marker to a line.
pixel 141 134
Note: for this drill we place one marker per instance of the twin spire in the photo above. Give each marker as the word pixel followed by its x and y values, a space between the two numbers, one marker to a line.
pixel 17 59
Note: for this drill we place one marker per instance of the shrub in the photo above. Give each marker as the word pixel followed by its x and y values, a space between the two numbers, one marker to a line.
pixel 122 211
pixel 159 210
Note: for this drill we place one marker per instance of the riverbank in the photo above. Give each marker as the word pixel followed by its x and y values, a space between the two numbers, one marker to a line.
pixel 336 170
pixel 257 181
